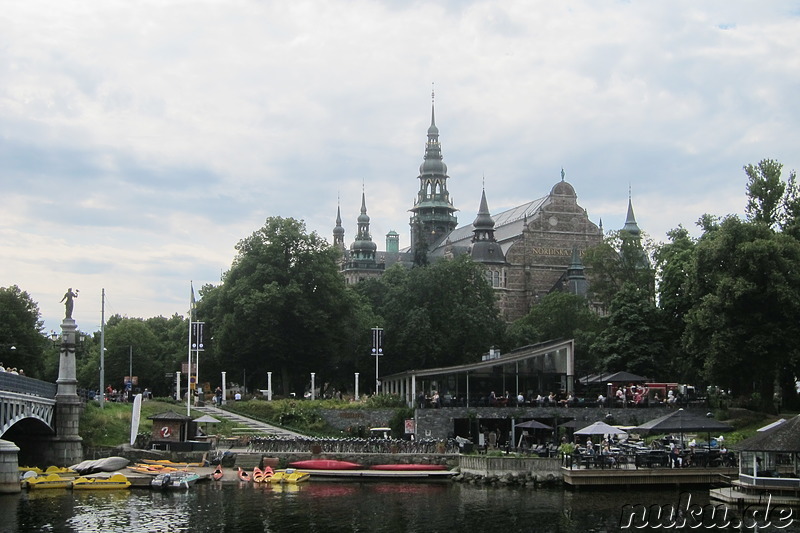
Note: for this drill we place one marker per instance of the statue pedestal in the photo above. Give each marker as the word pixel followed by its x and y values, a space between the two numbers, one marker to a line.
pixel 66 446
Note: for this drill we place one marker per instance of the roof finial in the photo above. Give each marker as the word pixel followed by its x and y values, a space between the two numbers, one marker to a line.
pixel 562 173
pixel 433 93
pixel 483 181
pixel 629 192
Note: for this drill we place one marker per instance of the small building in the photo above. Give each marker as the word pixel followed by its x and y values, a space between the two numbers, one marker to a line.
pixel 769 460
pixel 171 431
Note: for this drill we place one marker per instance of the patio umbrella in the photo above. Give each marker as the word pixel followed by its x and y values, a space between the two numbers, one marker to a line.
pixel 532 424
pixel 681 421
pixel 600 428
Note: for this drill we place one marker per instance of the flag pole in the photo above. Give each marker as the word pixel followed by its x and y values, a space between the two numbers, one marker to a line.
pixel 189 370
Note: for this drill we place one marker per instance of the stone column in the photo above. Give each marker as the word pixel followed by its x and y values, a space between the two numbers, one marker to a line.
pixel 67 446
pixel 9 468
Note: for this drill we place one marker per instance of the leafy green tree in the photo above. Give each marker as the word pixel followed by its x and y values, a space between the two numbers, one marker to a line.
pixel 283 306
pixel 633 338
pixel 746 287
pixel 674 265
pixel 765 191
pixel 439 315
pixel 22 341
pixel 622 257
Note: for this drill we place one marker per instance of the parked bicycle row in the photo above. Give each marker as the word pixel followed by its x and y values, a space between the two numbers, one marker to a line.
pixel 350 445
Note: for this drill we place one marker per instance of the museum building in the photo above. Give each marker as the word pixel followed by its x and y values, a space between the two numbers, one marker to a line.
pixel 527 251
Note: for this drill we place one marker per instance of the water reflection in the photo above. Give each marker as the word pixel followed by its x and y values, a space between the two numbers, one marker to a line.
pixel 325 506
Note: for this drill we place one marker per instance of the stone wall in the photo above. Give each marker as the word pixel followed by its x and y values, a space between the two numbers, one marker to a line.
pixel 342 419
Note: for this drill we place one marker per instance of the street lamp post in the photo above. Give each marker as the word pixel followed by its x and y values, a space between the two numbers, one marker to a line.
pixel 269 386
pixel 356 396
pixel 312 386
pixel 222 402
pixel 377 350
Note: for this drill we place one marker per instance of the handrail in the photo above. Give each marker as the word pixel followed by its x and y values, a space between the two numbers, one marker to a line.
pixel 25 385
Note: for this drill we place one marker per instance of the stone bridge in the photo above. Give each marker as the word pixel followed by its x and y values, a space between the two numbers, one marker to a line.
pixel 25 403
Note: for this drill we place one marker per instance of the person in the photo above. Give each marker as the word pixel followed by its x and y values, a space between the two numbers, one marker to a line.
pixel 2 368
pixel 237 396
pixel 551 399
pixel 675 460
pixel 435 400
pixel 69 297
pixel 520 399
pixel 218 395
pixel 601 400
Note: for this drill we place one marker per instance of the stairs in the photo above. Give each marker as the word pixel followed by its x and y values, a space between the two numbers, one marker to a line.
pixel 253 425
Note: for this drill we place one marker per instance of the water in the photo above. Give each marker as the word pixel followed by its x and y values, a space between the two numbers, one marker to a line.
pixel 332 506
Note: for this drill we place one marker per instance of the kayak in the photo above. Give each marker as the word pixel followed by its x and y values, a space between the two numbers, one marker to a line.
pixel 325 464
pixel 243 475
pixel 262 476
pixel 217 475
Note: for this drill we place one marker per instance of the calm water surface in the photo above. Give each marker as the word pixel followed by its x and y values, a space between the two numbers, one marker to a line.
pixel 331 506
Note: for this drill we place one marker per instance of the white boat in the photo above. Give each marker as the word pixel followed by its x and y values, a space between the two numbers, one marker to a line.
pixel 174 480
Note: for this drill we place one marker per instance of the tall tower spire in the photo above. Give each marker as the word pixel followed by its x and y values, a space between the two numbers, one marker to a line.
pixel 630 220
pixel 338 230
pixel 433 211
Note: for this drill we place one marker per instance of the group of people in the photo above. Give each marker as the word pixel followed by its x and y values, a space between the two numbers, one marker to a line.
pixel 11 370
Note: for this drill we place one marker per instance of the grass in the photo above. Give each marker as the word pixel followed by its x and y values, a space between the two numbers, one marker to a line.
pixel 111 425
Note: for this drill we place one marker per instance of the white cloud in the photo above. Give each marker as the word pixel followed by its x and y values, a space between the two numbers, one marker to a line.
pixel 139 141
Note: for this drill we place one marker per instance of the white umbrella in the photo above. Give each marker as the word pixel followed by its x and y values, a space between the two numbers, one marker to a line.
pixel 600 428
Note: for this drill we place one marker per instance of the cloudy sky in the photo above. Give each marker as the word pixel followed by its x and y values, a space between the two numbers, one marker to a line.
pixel 141 140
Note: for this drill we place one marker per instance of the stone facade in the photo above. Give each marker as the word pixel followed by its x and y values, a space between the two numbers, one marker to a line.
pixel 540 256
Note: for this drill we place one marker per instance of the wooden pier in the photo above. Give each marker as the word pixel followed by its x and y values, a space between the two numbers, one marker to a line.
pixel 588 477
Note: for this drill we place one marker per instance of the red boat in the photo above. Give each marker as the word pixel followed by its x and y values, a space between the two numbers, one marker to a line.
pixel 325 464
pixel 243 475
pixel 407 467
pixel 217 475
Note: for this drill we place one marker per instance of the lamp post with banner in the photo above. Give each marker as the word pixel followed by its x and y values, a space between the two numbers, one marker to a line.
pixel 377 351
pixel 197 347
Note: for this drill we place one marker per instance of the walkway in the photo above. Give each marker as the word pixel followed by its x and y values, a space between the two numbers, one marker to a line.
pixel 255 425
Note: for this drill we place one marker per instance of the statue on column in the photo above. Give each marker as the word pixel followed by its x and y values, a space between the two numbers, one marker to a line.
pixel 69 298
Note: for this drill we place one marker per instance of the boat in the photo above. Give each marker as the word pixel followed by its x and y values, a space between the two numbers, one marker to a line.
pixel 117 481
pixel 243 475
pixel 167 462
pixel 50 481
pixel 262 476
pixel 290 475
pixel 180 479
pixel 35 469
pixel 61 471
pixel 409 467
pixel 217 474
pixel 152 470
pixel 325 464
pixel 107 464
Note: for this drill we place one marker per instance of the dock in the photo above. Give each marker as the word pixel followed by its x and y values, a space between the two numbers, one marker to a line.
pixel 588 477
pixel 382 474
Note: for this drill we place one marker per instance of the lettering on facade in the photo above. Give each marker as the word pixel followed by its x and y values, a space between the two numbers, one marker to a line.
pixel 539 250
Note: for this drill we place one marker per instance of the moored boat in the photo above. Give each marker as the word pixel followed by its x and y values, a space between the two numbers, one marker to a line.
pixel 243 475
pixel 167 462
pixel 180 479
pixel 218 473
pixel 262 476
pixel 325 464
pixel 50 481
pixel 117 481
pixel 290 475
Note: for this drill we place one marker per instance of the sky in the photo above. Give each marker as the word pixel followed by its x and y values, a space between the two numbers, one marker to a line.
pixel 140 140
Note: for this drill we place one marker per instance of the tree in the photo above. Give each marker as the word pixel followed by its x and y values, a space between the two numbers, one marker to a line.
pixel 746 317
pixel 674 265
pixel 633 336
pixel 22 340
pixel 765 191
pixel 439 315
pixel 621 258
pixel 283 306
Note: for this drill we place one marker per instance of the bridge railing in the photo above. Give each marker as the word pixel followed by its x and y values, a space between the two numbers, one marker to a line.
pixel 25 385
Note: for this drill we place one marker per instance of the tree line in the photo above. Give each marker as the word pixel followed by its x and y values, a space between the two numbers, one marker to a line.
pixel 721 310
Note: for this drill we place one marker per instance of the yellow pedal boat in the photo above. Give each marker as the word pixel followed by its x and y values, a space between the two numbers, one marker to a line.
pixel 50 481
pixel 290 475
pixel 117 481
